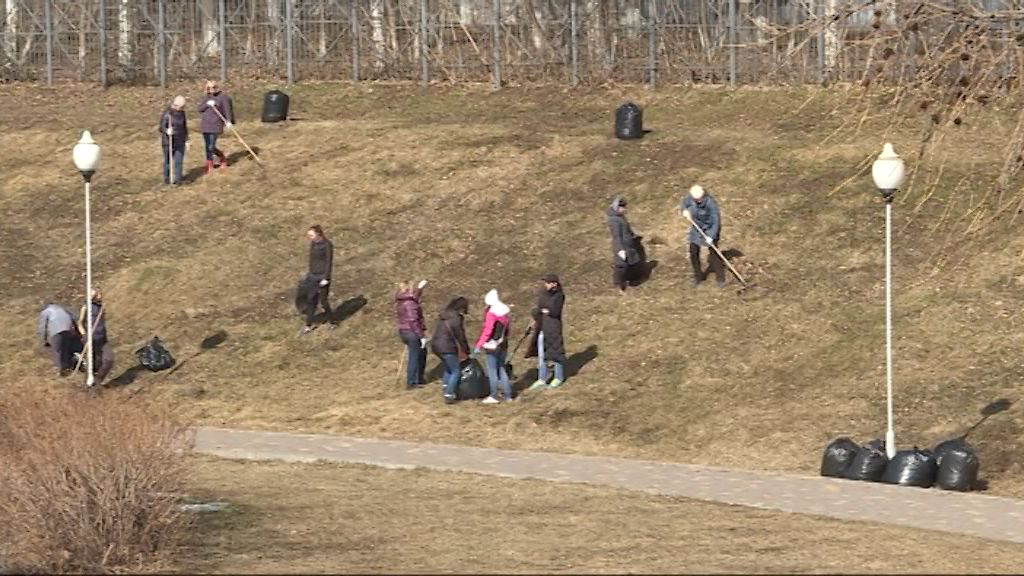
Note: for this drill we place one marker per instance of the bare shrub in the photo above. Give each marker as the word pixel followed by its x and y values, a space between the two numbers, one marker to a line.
pixel 88 483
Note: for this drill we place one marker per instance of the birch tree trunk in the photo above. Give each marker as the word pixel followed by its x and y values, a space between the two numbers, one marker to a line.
pixel 377 33
pixel 832 44
pixel 124 27
pixel 83 28
pixel 211 35
pixel 11 29
pixel 595 34
pixel 322 13
pixel 274 34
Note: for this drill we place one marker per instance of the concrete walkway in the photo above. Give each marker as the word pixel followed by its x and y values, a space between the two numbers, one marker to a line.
pixel 973 514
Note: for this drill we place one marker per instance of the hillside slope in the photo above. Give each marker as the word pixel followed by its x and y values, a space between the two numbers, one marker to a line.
pixel 474 190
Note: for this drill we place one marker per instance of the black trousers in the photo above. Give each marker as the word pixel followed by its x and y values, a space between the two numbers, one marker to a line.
pixel 715 263
pixel 318 296
pixel 621 273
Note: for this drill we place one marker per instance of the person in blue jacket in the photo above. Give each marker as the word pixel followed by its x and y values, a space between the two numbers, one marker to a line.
pixel 701 210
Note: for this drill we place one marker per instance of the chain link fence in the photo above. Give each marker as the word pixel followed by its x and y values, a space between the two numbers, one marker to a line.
pixel 501 41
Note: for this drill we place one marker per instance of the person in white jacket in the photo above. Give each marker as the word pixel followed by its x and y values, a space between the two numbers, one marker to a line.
pixel 56 330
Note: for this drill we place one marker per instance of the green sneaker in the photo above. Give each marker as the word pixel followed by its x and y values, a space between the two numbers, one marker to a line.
pixel 538 385
pixel 555 383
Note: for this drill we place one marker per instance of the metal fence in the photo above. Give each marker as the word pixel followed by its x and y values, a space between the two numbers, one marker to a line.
pixel 569 41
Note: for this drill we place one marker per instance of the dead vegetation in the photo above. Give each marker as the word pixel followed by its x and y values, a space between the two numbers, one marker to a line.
pixel 474 190
pixel 88 484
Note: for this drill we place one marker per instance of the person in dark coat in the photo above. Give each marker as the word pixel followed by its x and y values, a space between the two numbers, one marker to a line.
pixel 547 342
pixel 174 133
pixel 625 255
pixel 700 210
pixel 318 280
pixel 450 345
pixel 102 351
pixel 412 330
pixel 56 330
pixel 212 124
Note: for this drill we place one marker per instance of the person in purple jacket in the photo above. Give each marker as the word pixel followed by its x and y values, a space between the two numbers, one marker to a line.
pixel 412 330
pixel 173 133
pixel 215 112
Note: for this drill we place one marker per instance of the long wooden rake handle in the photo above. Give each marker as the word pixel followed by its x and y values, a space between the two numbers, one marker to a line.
pixel 719 252
pixel 237 135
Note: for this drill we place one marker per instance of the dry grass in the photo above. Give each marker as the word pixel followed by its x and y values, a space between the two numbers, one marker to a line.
pixel 473 189
pixel 87 485
pixel 357 519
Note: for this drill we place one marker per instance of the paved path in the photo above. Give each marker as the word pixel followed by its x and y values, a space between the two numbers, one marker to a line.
pixel 974 514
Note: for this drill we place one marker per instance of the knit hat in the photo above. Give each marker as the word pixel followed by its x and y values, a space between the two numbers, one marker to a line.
pixel 618 202
pixel 550 278
pixel 696 192
pixel 491 298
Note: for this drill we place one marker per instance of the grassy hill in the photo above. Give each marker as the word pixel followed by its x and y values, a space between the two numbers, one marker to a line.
pixel 473 190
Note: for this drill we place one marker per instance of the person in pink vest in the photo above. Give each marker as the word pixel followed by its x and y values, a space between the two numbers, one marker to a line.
pixel 493 341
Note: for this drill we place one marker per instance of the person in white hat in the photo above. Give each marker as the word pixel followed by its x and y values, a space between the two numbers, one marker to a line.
pixel 701 210
pixel 173 133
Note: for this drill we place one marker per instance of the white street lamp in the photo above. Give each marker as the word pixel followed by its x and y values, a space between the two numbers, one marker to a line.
pixel 86 155
pixel 888 172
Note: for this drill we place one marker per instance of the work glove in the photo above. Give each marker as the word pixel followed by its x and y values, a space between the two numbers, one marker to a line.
pixel 709 242
pixel 622 254
pixel 323 282
pixel 686 214
pixel 228 124
pixel 423 343
pixel 170 131
pixel 422 284
pixel 476 350
pixel 211 103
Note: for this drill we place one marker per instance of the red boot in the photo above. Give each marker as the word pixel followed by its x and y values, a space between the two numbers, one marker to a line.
pixel 209 167
pixel 223 161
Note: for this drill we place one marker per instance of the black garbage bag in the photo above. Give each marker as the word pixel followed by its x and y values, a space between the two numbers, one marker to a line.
pixel 869 464
pixel 911 468
pixel 154 357
pixel 839 454
pixel 958 465
pixel 472 383
pixel 629 122
pixel 304 293
pixel 945 446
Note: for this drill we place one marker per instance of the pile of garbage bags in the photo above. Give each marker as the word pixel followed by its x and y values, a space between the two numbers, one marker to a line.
pixel 951 465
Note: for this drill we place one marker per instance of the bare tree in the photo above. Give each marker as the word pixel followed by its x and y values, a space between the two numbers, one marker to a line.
pixel 124 25
pixel 274 32
pixel 377 33
pixel 11 29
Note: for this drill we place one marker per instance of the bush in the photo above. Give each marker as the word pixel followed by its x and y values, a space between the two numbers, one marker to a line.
pixel 88 484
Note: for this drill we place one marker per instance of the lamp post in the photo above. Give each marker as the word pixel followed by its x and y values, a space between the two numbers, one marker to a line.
pixel 888 172
pixel 86 155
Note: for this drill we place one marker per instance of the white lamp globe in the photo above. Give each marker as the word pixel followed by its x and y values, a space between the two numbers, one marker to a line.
pixel 86 154
pixel 888 170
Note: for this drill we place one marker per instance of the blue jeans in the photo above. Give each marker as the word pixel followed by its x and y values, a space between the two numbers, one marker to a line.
pixel 179 157
pixel 496 372
pixel 542 366
pixel 452 373
pixel 416 356
pixel 210 144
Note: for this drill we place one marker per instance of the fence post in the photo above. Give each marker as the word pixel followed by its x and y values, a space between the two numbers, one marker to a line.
pixel 424 44
pixel 496 56
pixel 222 24
pixel 161 44
pixel 103 42
pixel 353 17
pixel 732 43
pixel 574 45
pixel 288 40
pixel 49 41
pixel 652 62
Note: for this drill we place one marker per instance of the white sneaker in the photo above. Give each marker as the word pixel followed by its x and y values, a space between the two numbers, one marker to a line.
pixel 490 400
